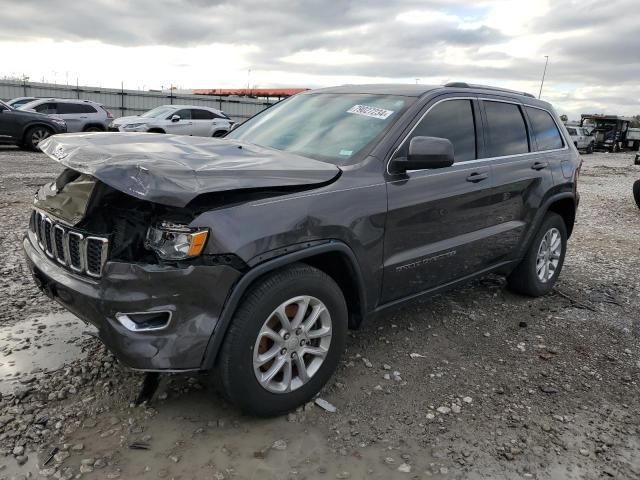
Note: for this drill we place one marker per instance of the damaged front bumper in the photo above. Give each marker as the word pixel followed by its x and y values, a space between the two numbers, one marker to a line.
pixel 152 317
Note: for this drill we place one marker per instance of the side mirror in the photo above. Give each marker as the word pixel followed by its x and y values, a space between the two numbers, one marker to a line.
pixel 175 118
pixel 425 153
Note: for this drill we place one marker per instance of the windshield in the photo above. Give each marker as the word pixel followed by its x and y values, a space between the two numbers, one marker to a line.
pixel 157 112
pixel 2 104
pixel 334 127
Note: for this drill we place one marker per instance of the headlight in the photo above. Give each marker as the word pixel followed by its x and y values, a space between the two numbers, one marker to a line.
pixel 176 242
pixel 134 125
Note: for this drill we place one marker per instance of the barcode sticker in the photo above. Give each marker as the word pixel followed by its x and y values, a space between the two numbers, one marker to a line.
pixel 373 112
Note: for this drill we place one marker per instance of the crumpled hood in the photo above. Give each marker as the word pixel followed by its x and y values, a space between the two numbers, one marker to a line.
pixel 173 170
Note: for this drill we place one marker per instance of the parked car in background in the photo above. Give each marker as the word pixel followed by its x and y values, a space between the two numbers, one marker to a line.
pixel 177 119
pixel 582 138
pixel 252 255
pixel 27 129
pixel 80 115
pixel 18 102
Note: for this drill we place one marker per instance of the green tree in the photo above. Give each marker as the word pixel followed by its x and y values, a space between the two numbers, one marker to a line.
pixel 564 118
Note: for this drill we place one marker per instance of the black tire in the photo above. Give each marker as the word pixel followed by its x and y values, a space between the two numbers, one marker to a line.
pixel 637 159
pixel 93 129
pixel 636 192
pixel 590 148
pixel 235 369
pixel 524 279
pixel 35 135
pixel 219 133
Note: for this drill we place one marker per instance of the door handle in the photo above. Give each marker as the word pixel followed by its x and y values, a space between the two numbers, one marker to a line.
pixel 477 177
pixel 539 166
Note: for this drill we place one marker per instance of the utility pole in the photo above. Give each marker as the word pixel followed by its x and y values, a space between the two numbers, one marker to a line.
pixel 543 74
pixel 248 79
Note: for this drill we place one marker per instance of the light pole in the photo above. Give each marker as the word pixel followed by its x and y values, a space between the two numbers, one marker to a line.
pixel 544 72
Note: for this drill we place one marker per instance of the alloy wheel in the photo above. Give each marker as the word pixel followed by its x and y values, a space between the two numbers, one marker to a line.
pixel 548 257
pixel 292 344
pixel 38 135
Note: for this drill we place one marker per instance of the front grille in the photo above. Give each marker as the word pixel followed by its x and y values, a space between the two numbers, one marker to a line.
pixel 75 250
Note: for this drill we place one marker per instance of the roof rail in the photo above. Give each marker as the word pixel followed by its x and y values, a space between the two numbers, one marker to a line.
pixel 486 87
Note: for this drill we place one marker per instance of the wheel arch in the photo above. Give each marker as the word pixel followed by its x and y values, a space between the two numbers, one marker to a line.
pixel 29 126
pixel 566 208
pixel 334 258
pixel 94 125
pixel 156 130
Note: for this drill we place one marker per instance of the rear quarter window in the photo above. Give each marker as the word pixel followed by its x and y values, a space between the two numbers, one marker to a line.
pixel 545 129
pixel 506 129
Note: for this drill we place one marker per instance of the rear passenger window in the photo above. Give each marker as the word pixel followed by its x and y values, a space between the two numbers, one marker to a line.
pixel 46 108
pixel 506 130
pixel 545 129
pixel 572 131
pixel 451 119
pixel 74 108
pixel 202 115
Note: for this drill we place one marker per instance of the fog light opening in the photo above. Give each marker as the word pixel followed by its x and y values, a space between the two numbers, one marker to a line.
pixel 144 321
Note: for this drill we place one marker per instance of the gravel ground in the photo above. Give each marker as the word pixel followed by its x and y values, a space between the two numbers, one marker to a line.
pixel 473 384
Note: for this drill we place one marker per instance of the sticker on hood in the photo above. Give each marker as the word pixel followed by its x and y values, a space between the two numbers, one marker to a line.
pixel 373 112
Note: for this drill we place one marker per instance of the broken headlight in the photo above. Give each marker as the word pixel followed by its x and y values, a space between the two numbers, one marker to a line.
pixel 176 242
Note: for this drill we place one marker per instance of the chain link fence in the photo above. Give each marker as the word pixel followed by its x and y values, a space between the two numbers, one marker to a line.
pixel 122 102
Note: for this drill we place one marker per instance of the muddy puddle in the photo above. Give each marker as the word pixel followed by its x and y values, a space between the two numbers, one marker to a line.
pixel 37 345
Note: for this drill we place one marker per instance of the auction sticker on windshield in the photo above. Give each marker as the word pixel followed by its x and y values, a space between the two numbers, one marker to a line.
pixel 374 112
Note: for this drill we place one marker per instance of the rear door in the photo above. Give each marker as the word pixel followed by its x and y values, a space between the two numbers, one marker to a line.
pixel 77 115
pixel 521 164
pixel 202 122
pixel 440 223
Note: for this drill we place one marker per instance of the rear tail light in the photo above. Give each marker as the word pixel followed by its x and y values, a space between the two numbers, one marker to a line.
pixel 109 115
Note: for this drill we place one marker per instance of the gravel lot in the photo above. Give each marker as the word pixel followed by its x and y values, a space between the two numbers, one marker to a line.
pixel 473 384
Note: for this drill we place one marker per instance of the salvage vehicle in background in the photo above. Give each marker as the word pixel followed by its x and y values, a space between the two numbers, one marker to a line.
pixel 177 119
pixel 27 129
pixel 610 131
pixel 252 255
pixel 80 115
pixel 581 138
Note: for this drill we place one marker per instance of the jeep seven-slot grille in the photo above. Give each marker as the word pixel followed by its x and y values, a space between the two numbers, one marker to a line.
pixel 75 250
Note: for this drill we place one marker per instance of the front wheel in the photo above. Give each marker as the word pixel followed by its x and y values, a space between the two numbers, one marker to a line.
pixel 636 192
pixel 284 342
pixel 539 270
pixel 34 136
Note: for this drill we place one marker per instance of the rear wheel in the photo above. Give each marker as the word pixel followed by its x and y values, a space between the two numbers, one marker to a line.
pixel 35 135
pixel 538 272
pixel 636 192
pixel 284 342
pixel 590 148
pixel 94 129
pixel 219 133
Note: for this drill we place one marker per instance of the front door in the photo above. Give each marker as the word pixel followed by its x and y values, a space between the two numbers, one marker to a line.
pixel 441 224
pixel 183 126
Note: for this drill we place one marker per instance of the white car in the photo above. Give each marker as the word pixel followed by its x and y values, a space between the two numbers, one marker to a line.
pixel 582 138
pixel 178 120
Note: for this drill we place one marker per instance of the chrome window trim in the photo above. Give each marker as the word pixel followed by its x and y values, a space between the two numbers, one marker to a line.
pixel 465 162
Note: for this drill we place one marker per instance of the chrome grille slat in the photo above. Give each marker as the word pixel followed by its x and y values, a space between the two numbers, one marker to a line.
pixel 80 253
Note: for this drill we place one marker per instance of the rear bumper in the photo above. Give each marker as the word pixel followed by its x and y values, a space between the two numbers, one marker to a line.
pixel 194 296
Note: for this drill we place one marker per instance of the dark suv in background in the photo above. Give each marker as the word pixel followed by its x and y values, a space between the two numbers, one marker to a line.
pixel 252 255
pixel 27 129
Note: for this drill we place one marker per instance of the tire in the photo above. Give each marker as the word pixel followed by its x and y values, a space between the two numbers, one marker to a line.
pixel 93 129
pixel 637 159
pixel 34 136
pixel 636 192
pixel 525 278
pixel 237 369
pixel 218 134
pixel 590 148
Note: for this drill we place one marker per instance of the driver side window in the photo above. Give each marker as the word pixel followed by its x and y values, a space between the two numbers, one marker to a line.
pixel 453 120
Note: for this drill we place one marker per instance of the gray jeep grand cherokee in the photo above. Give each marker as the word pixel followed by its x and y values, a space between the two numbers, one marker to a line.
pixel 252 255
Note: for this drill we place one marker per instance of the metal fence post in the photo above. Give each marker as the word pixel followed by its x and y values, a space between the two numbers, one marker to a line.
pixel 122 98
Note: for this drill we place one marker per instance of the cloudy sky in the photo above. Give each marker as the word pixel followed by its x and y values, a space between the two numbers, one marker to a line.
pixel 593 46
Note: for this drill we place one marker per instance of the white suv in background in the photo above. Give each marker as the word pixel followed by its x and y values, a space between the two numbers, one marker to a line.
pixel 582 138
pixel 178 120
